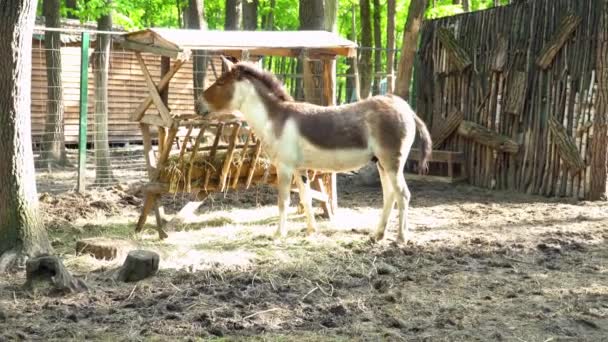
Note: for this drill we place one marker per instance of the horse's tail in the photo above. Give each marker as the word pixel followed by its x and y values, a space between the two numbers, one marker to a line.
pixel 426 144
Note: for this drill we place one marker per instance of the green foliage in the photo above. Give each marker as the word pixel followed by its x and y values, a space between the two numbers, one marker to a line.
pixel 443 11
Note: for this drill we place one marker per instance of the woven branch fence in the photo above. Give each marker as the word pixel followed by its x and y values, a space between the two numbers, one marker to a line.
pixel 523 78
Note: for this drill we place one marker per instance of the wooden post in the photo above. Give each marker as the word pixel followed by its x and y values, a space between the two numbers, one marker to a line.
pixel 82 130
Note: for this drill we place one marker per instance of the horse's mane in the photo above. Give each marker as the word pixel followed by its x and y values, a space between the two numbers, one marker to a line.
pixel 268 79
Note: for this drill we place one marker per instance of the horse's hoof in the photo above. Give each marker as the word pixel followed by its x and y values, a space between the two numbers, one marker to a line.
pixel 378 237
pixel 311 232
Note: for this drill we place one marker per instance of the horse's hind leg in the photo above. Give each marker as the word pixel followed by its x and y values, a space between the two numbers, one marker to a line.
pixel 306 200
pixel 402 194
pixel 284 175
pixel 389 202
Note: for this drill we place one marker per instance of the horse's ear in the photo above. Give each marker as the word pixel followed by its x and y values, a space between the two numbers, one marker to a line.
pixel 227 64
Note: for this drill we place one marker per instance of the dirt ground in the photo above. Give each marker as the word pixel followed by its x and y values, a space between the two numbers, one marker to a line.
pixel 479 266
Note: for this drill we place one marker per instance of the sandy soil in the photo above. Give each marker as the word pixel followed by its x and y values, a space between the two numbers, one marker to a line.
pixel 479 266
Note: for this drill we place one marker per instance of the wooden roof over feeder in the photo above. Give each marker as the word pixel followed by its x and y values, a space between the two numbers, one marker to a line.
pixel 178 43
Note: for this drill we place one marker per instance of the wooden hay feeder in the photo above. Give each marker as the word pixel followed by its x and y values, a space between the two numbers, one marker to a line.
pixel 198 155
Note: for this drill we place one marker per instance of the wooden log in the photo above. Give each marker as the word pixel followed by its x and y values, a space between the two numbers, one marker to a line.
pixel 138 265
pixel 499 55
pixel 565 29
pixel 516 96
pixel 458 56
pixel 565 146
pixel 443 129
pixel 103 248
pixel 487 137
pixel 50 269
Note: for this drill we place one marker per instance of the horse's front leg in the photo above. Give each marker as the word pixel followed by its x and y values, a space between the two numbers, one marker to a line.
pixel 284 175
pixel 306 200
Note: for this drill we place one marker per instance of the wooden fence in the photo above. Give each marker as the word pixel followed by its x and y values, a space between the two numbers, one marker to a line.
pixel 515 89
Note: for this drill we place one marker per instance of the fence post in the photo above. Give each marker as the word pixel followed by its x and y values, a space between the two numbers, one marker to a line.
pixel 82 125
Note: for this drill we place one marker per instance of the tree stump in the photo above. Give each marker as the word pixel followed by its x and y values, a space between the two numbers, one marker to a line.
pixel 139 264
pixel 50 269
pixel 103 248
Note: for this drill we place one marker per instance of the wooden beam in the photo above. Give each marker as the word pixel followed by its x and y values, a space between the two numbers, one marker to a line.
pixel 229 156
pixel 164 82
pixel 160 51
pixel 156 120
pixel 487 137
pixel 153 90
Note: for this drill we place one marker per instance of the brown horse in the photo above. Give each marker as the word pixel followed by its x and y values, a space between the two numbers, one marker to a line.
pixel 299 136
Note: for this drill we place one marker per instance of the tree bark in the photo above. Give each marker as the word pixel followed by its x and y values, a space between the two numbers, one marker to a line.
pixel 250 15
pixel 103 165
pixel 312 17
pixel 390 44
pixel 365 59
pixel 21 231
pixel 331 15
pixel 195 15
pixel 377 48
pixel 233 15
pixel 599 143
pixel 53 143
pixel 409 45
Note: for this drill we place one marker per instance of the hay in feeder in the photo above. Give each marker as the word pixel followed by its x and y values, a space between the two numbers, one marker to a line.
pixel 182 174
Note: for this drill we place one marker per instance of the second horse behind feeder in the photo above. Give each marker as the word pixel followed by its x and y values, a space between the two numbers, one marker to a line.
pixel 299 136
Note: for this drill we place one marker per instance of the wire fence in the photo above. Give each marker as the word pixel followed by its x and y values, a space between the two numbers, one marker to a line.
pixel 113 148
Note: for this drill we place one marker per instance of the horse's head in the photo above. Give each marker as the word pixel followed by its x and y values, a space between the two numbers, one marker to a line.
pixel 239 83
pixel 227 93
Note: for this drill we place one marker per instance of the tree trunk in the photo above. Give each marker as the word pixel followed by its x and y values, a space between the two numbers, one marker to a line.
pixel 21 230
pixel 331 15
pixel 599 145
pixel 233 15
pixel 496 3
pixel 377 48
pixel 53 144
pixel 466 5
pixel 331 25
pixel 312 17
pixel 408 49
pixel 195 19
pixel 103 166
pixel 250 15
pixel 353 82
pixel 390 45
pixel 365 60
